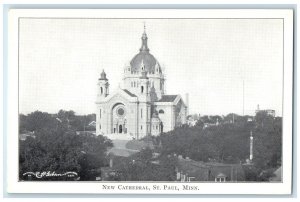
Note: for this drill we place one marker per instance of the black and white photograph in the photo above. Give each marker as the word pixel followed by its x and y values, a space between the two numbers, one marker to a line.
pixel 172 102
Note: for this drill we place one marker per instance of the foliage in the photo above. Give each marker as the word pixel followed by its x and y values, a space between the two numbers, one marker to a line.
pixel 229 142
pixel 56 147
pixel 142 167
pixel 38 120
pixel 251 173
pixel 77 122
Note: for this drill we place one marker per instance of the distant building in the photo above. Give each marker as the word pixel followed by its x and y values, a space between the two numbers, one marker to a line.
pixel 269 112
pixel 190 170
pixel 186 169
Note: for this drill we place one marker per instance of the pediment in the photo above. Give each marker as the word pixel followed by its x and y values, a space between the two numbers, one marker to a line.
pixel 120 96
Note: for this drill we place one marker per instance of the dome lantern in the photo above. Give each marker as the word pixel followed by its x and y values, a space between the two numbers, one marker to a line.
pixel 144 41
pixel 103 76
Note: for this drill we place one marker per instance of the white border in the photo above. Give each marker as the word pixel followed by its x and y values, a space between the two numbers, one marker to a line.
pixel 96 187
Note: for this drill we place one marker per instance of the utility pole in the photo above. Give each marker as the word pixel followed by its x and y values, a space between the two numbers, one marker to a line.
pixel 251 147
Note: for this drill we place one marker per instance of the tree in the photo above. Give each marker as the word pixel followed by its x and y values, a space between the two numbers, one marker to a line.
pixel 68 118
pixel 206 119
pixel 23 125
pixel 229 143
pixel 141 167
pixel 36 121
pixel 61 150
pixel 263 120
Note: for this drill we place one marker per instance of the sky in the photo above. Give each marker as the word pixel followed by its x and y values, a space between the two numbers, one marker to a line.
pixel 60 61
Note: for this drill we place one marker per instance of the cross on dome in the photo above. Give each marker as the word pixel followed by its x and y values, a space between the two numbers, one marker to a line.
pixel 144 41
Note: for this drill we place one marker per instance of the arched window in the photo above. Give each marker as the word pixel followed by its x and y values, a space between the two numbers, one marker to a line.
pixel 100 114
pixel 161 111
pixel 142 89
pixel 101 89
pixel 134 84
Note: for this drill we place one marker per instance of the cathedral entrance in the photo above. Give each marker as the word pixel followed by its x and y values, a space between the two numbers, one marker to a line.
pixel 119 120
pixel 120 129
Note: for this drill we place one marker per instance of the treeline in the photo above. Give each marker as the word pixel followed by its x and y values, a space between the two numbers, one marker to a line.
pixel 228 143
pixel 55 146
pixel 37 120
pixel 213 119
pixel 143 167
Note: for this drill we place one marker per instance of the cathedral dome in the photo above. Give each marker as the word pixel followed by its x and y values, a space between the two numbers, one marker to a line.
pixel 148 60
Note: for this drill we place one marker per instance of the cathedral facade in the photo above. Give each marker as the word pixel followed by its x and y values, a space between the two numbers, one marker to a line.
pixel 141 107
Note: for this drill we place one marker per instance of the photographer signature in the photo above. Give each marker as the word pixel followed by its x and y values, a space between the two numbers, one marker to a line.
pixel 50 174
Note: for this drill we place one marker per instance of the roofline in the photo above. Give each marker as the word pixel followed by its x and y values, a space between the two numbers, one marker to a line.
pixel 118 91
pixel 175 102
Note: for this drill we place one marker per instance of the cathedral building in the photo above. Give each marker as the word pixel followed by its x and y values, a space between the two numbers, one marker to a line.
pixel 142 106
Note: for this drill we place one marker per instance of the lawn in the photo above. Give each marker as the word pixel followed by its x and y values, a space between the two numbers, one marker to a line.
pixel 138 144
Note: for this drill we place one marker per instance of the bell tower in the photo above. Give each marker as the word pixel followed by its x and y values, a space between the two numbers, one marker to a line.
pixel 102 92
pixel 103 86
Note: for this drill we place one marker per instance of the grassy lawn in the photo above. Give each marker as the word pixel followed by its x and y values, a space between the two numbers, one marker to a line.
pixel 138 144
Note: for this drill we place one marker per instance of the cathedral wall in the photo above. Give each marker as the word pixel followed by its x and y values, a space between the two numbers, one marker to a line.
pixel 180 113
pixel 102 119
pixel 158 85
pixel 144 120
pixel 132 110
pixel 132 83
pixel 166 117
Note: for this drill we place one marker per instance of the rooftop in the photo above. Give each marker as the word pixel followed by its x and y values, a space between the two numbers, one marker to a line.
pixel 129 93
pixel 168 98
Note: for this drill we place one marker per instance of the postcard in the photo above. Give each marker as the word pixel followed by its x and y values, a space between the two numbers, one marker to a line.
pixel 150 101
